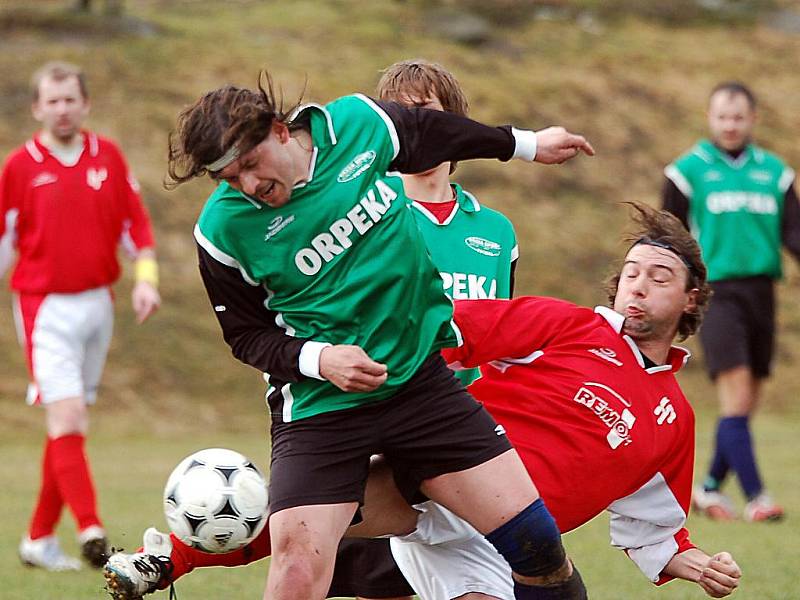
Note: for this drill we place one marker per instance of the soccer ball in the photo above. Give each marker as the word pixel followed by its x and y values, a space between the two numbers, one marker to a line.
pixel 216 500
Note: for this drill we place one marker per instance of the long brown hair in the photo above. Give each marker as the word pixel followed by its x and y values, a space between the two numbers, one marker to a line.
pixel 222 118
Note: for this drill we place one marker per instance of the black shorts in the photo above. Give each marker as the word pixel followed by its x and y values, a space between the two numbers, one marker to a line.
pixel 366 568
pixel 739 327
pixel 431 426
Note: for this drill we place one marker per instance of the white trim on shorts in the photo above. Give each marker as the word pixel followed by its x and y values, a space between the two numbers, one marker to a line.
pixel 445 557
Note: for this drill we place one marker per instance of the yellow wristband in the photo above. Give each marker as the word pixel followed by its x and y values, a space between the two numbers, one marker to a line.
pixel 146 269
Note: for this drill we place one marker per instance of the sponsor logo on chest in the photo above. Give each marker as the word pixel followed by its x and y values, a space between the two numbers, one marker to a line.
pixel 751 202
pixel 611 409
pixel 357 166
pixel 96 177
pixel 483 246
pixel 328 244
pixel 468 286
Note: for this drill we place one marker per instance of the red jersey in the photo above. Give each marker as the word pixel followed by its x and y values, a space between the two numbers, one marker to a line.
pixel 66 221
pixel 596 428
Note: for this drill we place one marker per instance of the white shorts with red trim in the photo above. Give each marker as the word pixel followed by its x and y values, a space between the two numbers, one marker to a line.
pixel 445 557
pixel 66 339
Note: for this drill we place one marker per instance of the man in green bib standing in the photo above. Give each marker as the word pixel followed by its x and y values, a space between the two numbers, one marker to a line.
pixel 739 201
pixel 319 276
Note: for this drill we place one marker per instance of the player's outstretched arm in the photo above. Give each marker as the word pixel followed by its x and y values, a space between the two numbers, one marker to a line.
pixel 427 138
pixel 717 575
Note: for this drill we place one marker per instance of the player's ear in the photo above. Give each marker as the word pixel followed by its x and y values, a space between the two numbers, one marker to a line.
pixel 280 130
pixel 691 300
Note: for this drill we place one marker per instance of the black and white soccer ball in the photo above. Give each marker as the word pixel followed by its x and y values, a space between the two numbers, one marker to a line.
pixel 216 500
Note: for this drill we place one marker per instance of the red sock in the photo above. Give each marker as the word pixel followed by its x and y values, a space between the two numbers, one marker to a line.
pixel 48 506
pixel 185 558
pixel 71 469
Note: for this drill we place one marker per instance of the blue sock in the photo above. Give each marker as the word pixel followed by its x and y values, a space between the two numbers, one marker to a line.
pixel 737 447
pixel 719 465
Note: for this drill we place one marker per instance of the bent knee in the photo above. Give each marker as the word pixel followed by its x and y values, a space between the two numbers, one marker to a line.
pixel 66 417
pixel 531 544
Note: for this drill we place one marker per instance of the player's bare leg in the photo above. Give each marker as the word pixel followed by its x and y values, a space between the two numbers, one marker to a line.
pixel 385 511
pixel 304 543
pixel 738 392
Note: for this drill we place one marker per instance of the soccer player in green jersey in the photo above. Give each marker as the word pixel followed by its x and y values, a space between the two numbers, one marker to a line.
pixel 319 276
pixel 475 250
pixel 474 247
pixel 739 201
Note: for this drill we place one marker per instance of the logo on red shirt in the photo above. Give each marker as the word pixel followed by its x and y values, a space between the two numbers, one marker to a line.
pixel 96 177
pixel 665 412
pixel 599 399
pixel 44 178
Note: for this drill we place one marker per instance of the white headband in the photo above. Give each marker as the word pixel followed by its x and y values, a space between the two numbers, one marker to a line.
pixel 223 161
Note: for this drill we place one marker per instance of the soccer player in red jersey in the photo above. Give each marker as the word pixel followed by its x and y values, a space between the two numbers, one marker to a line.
pixel 590 401
pixel 67 200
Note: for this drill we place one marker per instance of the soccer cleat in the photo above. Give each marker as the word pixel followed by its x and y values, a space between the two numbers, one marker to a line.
pixel 46 553
pixel 131 576
pixel 94 546
pixel 762 508
pixel 713 504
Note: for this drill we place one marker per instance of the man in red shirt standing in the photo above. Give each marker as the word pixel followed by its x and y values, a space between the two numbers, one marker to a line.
pixel 67 200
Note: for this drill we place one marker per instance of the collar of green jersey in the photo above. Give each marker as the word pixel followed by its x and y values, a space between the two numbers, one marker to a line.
pixel 709 152
pixel 319 120
pixel 466 201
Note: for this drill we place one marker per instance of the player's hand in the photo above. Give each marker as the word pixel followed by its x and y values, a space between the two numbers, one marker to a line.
pixel 145 299
pixel 556 145
pixel 720 576
pixel 350 369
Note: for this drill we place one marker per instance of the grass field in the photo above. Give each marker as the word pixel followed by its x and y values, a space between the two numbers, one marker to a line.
pixel 132 468
pixel 632 75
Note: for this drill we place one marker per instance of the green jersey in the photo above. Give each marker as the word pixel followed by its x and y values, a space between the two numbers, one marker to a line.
pixel 343 261
pixel 473 248
pixel 735 208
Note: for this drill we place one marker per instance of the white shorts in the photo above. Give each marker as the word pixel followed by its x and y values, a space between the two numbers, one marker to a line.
pixel 66 339
pixel 445 557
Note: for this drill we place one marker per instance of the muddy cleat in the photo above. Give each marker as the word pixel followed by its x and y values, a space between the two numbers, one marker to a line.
pixel 94 546
pixel 762 508
pixel 46 553
pixel 713 504
pixel 131 576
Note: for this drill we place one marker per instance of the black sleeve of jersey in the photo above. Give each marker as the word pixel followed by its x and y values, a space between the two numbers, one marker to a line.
pixel 790 226
pixel 673 201
pixel 512 280
pixel 247 326
pixel 430 137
